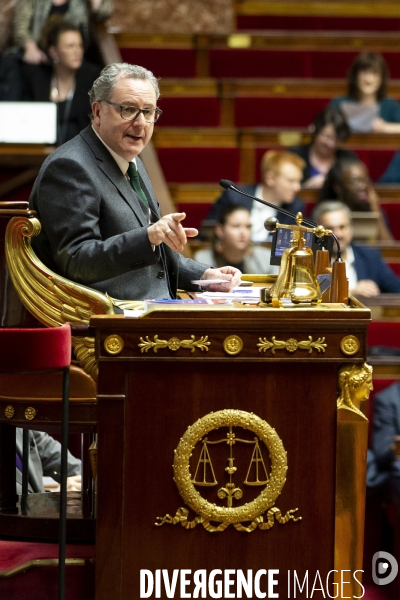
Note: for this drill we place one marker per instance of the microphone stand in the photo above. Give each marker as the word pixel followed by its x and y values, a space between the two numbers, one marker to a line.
pixel 339 285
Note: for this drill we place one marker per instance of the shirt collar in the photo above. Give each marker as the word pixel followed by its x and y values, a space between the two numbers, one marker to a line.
pixel 349 255
pixel 121 162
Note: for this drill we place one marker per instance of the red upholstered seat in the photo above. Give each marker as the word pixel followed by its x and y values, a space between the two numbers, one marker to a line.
pixel 310 23
pixel 35 349
pixel 39 581
pixel 203 165
pixel 277 112
pixel 392 211
pixel 189 112
pixel 259 63
pixel 381 333
pixel 195 213
pixel 164 62
pixel 288 63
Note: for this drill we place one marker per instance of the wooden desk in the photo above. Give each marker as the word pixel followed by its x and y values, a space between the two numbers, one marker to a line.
pixel 155 386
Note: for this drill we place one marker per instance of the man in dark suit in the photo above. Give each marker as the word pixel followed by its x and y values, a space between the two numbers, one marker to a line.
pixel 281 175
pixel 367 272
pixel 101 224
pixel 386 425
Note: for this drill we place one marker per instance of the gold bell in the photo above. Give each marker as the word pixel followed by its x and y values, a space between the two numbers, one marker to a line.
pixel 296 279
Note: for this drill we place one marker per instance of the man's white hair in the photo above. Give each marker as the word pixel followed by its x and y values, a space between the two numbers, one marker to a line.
pixel 103 86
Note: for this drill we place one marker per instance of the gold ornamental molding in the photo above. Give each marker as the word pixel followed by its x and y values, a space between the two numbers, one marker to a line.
pixel 349 345
pixel 174 344
pixel 291 345
pixel 9 411
pixel 355 385
pixel 30 413
pixel 260 511
pixel 113 344
pixel 52 299
pixel 329 8
pixel 233 344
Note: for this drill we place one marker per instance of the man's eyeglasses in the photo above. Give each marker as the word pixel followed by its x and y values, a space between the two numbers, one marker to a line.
pixel 130 113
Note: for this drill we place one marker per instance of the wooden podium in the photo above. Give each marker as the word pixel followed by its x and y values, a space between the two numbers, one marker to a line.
pixel 258 389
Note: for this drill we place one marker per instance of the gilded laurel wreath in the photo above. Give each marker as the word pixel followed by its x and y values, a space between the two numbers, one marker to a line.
pixel 225 516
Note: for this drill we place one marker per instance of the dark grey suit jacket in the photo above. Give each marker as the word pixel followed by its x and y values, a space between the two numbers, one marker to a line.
pixel 94 226
pixel 386 424
pixel 44 459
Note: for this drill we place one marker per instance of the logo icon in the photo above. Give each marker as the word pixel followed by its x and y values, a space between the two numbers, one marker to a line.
pixel 384 568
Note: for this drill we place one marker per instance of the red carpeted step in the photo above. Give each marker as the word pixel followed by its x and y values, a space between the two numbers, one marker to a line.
pixel 298 23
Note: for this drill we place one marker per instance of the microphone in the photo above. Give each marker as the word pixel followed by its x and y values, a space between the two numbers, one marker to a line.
pixel 229 185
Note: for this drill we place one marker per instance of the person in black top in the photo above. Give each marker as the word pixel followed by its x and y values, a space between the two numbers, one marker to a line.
pixel 330 129
pixel 349 182
pixel 65 80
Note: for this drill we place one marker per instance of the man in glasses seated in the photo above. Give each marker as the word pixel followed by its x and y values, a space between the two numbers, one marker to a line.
pixel 366 271
pixel 101 224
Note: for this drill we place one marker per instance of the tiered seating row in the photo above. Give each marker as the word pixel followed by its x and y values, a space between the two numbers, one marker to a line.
pixel 316 23
pixel 326 9
pixel 211 154
pixel 248 103
pixel 261 54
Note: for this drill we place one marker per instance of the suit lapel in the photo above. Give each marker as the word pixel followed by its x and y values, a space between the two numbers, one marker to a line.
pixel 109 167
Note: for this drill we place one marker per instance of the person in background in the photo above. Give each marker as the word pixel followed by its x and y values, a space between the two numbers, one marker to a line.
pixel 30 17
pixel 349 181
pixel 392 173
pixel 281 175
pixel 66 80
pixel 232 244
pixel 367 272
pixel 367 86
pixel 330 129
pixel 386 426
pixel 45 460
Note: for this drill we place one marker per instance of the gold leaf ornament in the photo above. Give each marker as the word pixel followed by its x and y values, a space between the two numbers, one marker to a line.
pixel 174 344
pixel 292 345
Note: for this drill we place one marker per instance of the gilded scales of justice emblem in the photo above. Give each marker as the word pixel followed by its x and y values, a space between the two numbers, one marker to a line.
pixel 266 469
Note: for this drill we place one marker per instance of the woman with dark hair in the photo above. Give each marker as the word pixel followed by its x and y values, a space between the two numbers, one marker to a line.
pixel 232 243
pixel 30 17
pixel 366 105
pixel 66 81
pixel 329 130
pixel 349 182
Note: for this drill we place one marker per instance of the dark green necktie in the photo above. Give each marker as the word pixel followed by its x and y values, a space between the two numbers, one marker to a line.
pixel 135 182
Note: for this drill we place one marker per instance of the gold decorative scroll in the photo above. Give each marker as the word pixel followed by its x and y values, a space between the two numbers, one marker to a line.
pixel 291 345
pixel 52 299
pixel 174 344
pixel 250 512
pixel 181 517
pixel 355 384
